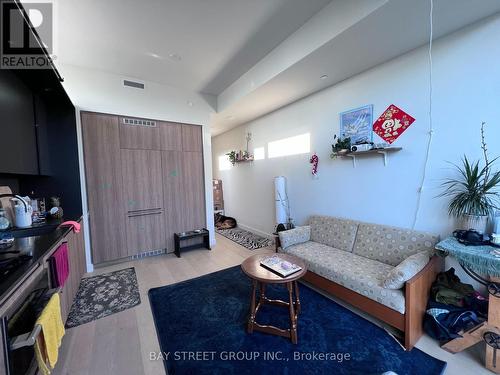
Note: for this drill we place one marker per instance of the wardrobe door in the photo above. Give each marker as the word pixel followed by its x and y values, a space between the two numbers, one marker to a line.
pixel 139 134
pixel 193 192
pixel 192 138
pixel 142 182
pixel 170 136
pixel 173 195
pixel 104 186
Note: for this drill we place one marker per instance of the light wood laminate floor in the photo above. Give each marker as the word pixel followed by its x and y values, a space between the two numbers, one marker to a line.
pixel 121 343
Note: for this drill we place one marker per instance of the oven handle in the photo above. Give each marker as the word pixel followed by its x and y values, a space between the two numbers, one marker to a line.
pixel 29 339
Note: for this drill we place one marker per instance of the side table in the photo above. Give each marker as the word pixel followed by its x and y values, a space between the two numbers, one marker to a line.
pixel 477 261
pixel 260 278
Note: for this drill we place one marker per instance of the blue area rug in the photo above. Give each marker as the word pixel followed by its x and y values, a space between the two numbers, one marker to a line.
pixel 201 327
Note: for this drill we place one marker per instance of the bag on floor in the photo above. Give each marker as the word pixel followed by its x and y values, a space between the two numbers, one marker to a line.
pixel 445 322
pixel 449 290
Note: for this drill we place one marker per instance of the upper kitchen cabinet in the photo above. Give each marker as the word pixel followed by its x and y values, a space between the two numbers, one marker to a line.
pixel 170 136
pixel 192 138
pixel 139 134
pixel 18 153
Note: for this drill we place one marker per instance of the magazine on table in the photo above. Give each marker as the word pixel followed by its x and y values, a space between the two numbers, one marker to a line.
pixel 279 265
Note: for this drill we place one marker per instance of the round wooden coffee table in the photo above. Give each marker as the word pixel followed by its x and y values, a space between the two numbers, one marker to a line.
pixel 260 278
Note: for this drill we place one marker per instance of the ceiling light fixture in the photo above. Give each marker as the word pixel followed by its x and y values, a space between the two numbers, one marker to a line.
pixel 324 76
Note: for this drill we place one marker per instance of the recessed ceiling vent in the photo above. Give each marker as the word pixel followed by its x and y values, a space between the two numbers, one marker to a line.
pixel 137 122
pixel 135 85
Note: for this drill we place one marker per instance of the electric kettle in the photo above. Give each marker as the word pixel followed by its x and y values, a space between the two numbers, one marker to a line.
pixel 23 212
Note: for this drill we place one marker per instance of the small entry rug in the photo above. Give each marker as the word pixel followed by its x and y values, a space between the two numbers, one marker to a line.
pixel 103 295
pixel 245 238
pixel 201 327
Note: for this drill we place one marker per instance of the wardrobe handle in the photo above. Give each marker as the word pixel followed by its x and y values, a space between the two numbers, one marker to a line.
pixel 145 213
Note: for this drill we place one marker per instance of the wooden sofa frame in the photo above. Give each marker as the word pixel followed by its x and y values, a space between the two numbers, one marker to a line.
pixel 416 291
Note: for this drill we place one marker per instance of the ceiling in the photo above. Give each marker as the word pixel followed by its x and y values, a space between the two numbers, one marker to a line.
pixel 253 56
pixel 200 45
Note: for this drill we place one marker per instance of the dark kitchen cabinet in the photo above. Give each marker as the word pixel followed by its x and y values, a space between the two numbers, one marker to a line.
pixel 42 124
pixel 18 150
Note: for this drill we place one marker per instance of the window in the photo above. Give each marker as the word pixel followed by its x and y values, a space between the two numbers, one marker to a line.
pixel 224 163
pixel 259 153
pixel 300 144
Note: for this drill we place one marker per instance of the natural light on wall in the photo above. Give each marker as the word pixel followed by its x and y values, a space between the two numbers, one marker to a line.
pixel 259 153
pixel 224 163
pixel 300 144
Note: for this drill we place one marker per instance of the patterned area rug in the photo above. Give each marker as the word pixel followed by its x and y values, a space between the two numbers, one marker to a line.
pixel 103 295
pixel 245 238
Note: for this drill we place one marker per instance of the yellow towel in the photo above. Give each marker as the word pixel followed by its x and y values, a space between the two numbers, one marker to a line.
pixel 47 345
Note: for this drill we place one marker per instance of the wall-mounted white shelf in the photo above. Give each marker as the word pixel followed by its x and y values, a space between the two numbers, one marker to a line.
pixel 380 151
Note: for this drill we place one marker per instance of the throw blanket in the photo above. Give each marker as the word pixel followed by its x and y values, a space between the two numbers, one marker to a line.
pixel 480 259
pixel 49 340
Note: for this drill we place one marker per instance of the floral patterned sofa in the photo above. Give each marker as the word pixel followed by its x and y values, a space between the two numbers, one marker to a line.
pixel 385 271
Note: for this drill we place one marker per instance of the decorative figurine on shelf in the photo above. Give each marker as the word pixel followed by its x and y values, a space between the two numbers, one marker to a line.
pixel 314 160
pixel 56 211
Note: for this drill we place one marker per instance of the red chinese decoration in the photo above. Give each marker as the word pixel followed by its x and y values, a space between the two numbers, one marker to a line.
pixel 392 123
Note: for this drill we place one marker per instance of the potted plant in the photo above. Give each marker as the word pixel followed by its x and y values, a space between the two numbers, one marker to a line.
pixel 232 157
pixel 341 147
pixel 474 193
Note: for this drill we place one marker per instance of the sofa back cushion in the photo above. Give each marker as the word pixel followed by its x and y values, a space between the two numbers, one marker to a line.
pixel 391 245
pixel 332 231
pixel 294 236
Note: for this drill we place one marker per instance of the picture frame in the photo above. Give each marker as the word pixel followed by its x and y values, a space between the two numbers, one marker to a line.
pixel 357 124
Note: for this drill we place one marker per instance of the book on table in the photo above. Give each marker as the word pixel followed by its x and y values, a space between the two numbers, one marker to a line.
pixel 280 266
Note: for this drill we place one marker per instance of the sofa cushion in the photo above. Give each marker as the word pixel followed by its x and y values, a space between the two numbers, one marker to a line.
pixel 391 245
pixel 362 275
pixel 295 236
pixel 332 231
pixel 405 270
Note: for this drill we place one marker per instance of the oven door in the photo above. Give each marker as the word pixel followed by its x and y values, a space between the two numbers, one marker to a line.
pixel 18 326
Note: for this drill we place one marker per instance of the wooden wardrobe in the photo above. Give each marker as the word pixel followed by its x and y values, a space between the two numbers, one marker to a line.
pixel 145 181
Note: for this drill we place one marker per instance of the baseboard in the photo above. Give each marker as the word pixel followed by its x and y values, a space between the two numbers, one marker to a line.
pixel 256 231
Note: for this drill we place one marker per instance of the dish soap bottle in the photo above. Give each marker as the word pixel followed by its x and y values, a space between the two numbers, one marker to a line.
pixel 4 222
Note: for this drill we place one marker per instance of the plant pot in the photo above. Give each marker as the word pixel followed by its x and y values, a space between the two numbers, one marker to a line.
pixel 475 222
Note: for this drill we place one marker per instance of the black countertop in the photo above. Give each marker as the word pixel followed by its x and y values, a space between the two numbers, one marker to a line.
pixel 35 246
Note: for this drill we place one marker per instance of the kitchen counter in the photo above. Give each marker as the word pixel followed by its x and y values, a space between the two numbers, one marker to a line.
pixel 35 246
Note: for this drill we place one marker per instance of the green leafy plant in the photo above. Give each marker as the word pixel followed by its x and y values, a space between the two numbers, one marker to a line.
pixel 340 145
pixel 475 190
pixel 232 157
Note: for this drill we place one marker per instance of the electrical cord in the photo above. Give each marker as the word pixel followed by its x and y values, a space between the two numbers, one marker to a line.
pixel 431 129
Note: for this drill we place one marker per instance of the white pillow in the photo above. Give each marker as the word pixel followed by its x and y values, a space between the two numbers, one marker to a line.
pixel 405 270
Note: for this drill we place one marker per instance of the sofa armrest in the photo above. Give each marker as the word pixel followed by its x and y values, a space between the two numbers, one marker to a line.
pixel 417 291
pixel 294 236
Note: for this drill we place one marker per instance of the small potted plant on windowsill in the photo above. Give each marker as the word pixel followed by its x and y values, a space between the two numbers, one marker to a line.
pixel 341 147
pixel 474 193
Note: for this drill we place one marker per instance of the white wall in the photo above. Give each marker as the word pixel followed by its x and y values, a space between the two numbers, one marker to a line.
pixel 92 90
pixel 466 92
